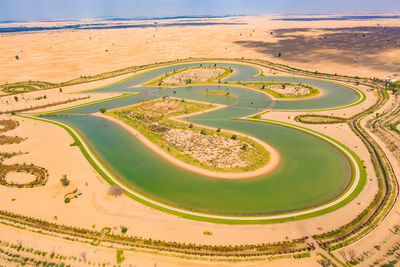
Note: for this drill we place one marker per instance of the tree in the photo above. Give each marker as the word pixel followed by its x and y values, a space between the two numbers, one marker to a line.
pixel 218 130
pixel 203 132
pixel 67 200
pixel 60 90
pixel 103 110
pixel 234 137
pixel 191 125
pixel 124 229
pixel 115 191
pixel 64 181
pixel 17 57
pixel 16 98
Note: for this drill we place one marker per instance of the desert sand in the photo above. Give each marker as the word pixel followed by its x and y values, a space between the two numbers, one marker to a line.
pixel 68 54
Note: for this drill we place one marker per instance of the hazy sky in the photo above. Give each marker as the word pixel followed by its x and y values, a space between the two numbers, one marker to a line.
pixel 63 9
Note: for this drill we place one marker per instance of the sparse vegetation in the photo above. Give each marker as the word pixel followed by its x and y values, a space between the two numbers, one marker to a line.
pixel 284 90
pixel 319 119
pixel 115 191
pixel 65 181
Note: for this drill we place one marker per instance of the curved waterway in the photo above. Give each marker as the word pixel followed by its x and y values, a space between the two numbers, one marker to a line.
pixel 310 173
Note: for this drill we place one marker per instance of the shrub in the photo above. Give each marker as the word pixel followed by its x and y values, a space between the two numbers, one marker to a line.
pixel 234 137
pixel 67 200
pixel 120 257
pixel 103 110
pixel 115 191
pixel 64 181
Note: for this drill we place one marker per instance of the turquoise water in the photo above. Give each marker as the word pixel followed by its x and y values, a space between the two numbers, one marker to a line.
pixel 306 162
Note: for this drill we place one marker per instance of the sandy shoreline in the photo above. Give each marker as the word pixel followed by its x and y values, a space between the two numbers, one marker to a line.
pixel 271 165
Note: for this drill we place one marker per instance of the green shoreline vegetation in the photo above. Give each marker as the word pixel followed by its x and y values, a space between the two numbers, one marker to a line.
pixel 153 125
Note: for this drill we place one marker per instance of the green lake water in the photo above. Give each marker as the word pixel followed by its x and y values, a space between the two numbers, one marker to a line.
pixel 310 171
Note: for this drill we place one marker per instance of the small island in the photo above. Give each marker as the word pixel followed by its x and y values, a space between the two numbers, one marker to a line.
pixel 202 74
pixel 209 149
pixel 285 90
